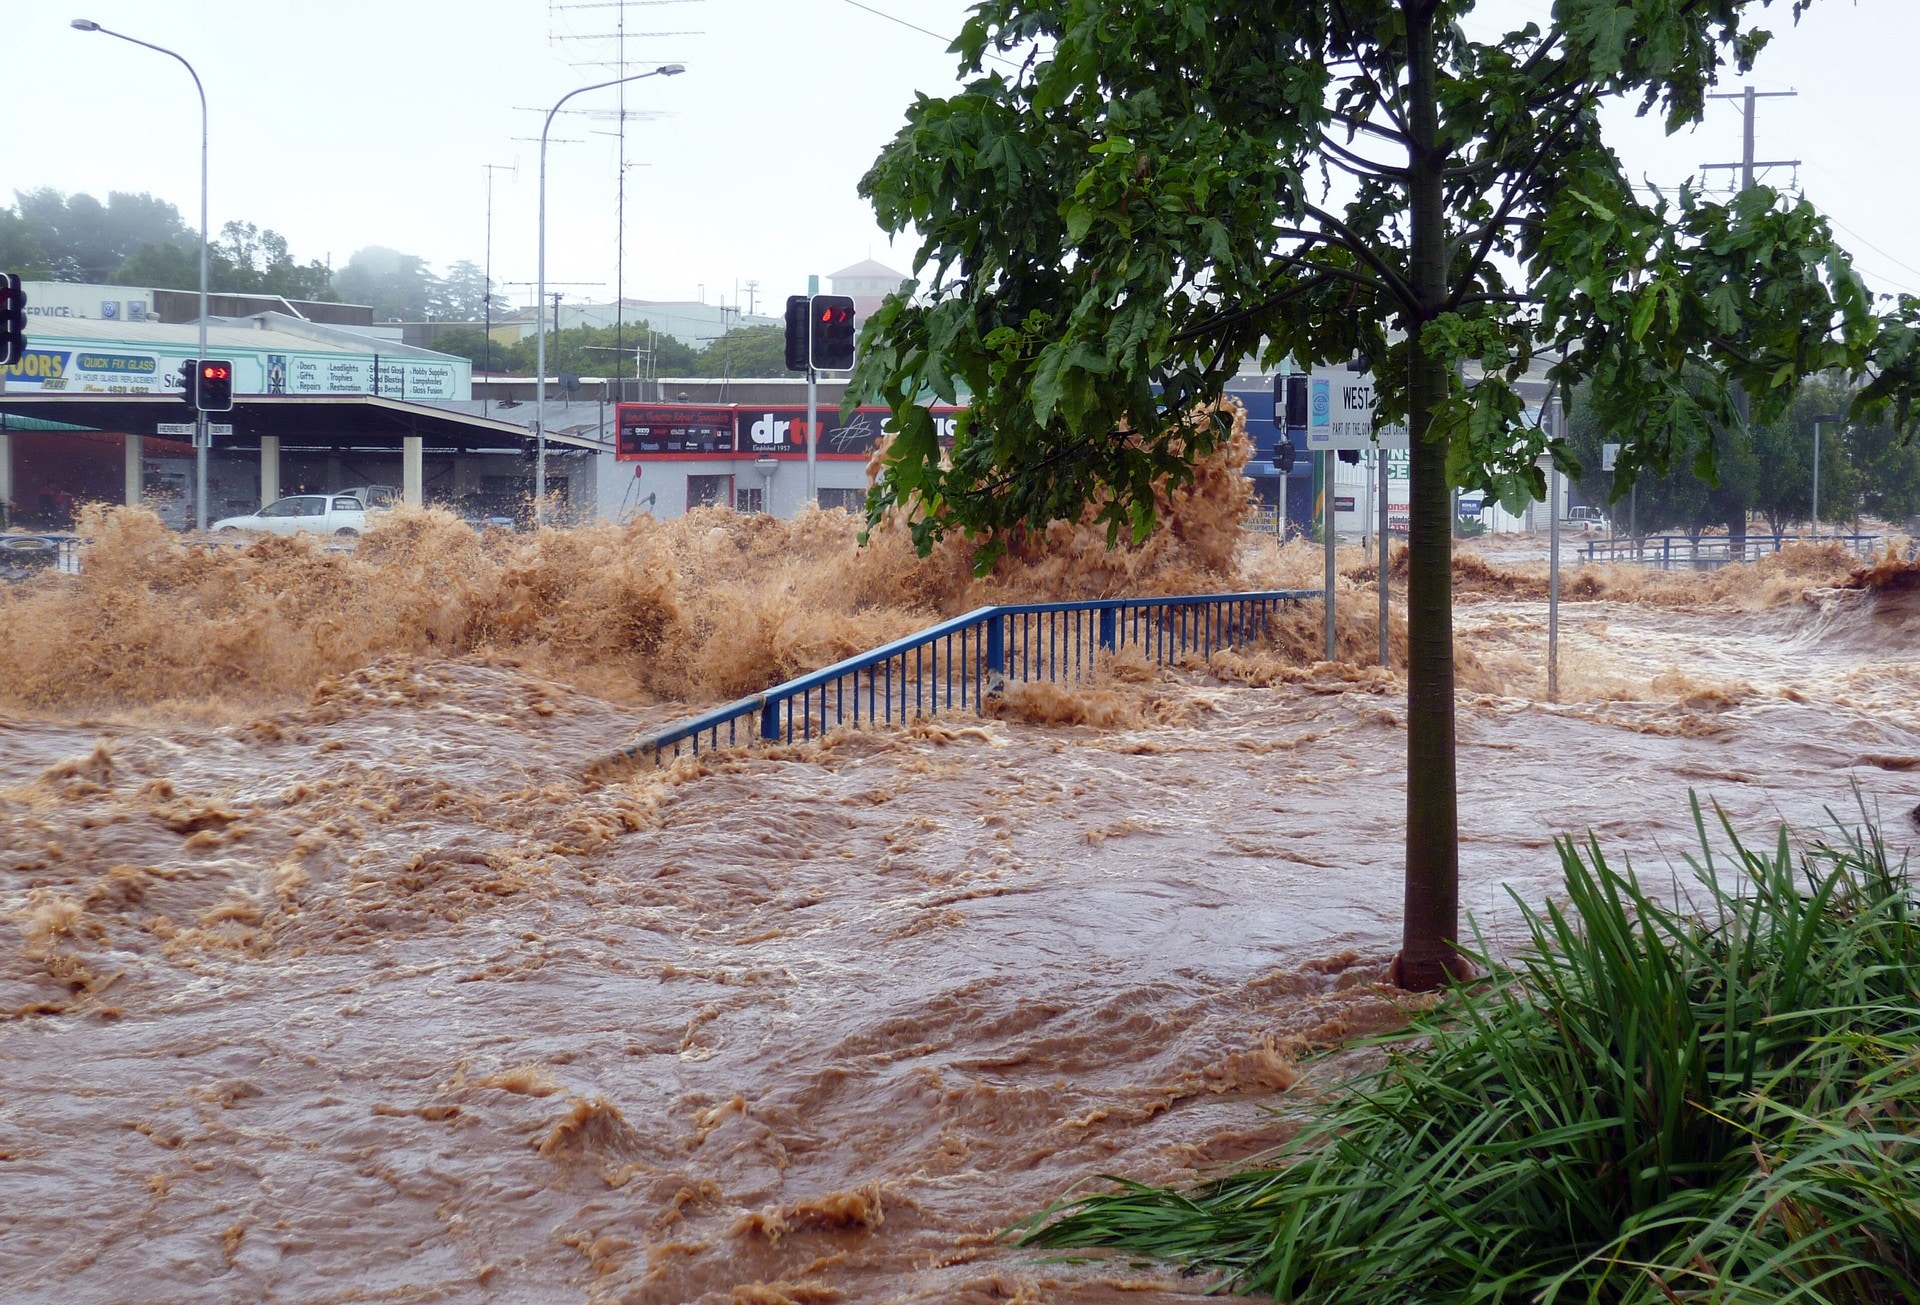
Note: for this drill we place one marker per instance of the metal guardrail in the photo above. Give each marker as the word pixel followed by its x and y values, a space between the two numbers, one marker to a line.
pixel 1710 552
pixel 962 662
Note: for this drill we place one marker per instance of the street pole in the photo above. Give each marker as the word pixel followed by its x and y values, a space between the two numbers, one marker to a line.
pixel 813 402
pixel 1326 516
pixel 1815 525
pixel 1381 455
pixel 1553 583
pixel 1553 414
pixel 540 294
pixel 201 437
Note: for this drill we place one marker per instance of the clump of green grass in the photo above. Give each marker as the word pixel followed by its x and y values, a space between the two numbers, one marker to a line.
pixel 1655 1101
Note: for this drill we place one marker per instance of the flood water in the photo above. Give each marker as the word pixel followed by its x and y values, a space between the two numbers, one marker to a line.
pixel 333 976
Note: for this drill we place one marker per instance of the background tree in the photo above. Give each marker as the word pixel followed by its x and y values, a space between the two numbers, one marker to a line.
pixel 744 351
pixel 1160 188
pixel 463 294
pixel 397 286
pixel 1784 449
pixel 20 248
pixel 86 240
pixel 252 261
pixel 1888 473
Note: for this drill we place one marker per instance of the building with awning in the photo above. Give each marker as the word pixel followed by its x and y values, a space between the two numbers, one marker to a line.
pixel 60 447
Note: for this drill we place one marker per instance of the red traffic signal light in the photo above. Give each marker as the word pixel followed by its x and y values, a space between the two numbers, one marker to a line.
pixel 832 345
pixel 213 385
pixel 13 320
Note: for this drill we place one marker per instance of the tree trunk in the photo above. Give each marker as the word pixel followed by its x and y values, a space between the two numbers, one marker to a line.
pixel 1432 917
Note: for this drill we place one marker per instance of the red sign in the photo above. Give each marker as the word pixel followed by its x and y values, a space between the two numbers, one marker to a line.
pixel 659 430
pixel 666 430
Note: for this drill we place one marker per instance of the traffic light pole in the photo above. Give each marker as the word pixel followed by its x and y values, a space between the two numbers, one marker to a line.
pixel 813 426
pixel 813 401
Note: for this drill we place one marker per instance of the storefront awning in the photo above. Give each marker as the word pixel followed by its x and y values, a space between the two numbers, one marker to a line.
pixel 303 422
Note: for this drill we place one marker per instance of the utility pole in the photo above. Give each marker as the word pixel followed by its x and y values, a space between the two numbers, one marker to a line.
pixel 1747 96
pixel 1749 110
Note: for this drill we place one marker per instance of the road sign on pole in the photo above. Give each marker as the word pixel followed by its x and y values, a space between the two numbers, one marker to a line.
pixel 1340 408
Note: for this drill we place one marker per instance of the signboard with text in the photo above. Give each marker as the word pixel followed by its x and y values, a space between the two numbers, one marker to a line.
pixel 664 430
pixel 55 366
pixel 1340 408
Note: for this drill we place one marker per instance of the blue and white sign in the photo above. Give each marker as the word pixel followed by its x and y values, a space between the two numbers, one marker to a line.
pixel 1340 415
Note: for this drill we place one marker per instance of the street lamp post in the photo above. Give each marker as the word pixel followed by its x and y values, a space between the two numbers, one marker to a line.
pixel 201 438
pixel 1825 417
pixel 540 300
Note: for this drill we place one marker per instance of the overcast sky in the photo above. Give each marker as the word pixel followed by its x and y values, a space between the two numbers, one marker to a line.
pixel 358 122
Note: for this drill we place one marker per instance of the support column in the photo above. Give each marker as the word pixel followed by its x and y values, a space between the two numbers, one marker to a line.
pixel 411 475
pixel 269 469
pixel 135 447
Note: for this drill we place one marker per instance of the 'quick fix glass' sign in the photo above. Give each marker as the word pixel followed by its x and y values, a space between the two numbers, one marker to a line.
pixel 89 371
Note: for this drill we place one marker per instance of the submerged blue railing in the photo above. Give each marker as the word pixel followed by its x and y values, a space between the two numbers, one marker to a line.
pixel 962 662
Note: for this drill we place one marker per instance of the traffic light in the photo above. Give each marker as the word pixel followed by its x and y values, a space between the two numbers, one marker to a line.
pixel 1296 402
pixel 13 320
pixel 213 385
pixel 799 338
pixel 1283 454
pixel 187 369
pixel 832 333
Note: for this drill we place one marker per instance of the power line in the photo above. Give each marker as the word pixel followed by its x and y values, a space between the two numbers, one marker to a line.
pixel 924 31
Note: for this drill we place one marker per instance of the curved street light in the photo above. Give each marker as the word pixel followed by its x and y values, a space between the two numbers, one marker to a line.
pixel 1825 418
pixel 540 303
pixel 200 438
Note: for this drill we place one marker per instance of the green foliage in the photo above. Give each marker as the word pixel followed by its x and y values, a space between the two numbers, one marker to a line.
pixel 140 240
pixel 398 287
pixel 85 240
pixel 1864 466
pixel 1111 229
pixel 21 250
pixel 1652 1104
pixel 744 351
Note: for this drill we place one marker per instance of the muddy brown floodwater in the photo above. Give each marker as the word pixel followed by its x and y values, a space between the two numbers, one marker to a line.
pixel 364 992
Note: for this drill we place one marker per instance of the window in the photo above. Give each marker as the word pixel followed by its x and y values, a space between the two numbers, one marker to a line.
pixel 750 500
pixel 847 500
pixel 286 507
pixel 346 504
pixel 311 506
pixel 709 491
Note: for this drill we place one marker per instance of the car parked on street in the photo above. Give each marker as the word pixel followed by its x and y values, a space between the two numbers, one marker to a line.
pixel 318 514
pixel 1587 518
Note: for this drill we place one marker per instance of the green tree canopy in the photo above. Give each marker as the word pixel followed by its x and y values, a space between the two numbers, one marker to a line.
pixel 464 294
pixel 399 287
pixel 86 240
pixel 1142 193
pixel 744 351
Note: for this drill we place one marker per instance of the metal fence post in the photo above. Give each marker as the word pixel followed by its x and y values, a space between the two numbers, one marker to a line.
pixel 1107 628
pixel 770 720
pixel 997 644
